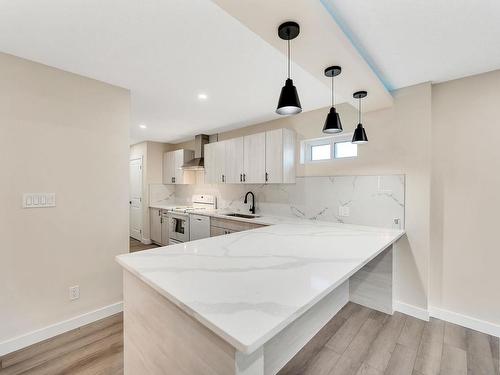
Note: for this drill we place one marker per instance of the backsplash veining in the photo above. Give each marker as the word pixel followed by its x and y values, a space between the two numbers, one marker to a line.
pixel 371 200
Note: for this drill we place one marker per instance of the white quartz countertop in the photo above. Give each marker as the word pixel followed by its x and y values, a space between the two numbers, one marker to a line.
pixel 222 214
pixel 247 286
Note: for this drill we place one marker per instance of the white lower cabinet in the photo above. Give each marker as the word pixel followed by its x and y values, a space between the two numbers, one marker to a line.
pixel 155 225
pixel 165 225
pixel 158 224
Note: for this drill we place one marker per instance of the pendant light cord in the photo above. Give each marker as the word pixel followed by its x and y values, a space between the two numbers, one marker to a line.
pixel 359 113
pixel 288 56
pixel 333 91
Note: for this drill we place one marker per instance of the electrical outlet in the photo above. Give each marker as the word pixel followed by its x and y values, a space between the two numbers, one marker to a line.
pixel 344 211
pixel 74 292
pixel 396 223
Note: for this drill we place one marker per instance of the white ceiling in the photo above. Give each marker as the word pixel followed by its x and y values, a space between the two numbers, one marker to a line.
pixel 321 43
pixel 414 41
pixel 165 52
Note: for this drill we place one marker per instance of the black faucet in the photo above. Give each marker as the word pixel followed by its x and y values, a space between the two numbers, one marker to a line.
pixel 252 207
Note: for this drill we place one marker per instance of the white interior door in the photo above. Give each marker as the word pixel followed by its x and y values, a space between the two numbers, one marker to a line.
pixel 135 180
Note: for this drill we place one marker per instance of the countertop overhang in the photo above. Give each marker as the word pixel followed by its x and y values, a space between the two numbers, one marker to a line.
pixel 247 286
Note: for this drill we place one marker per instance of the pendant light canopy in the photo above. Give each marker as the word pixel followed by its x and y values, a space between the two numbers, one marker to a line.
pixel 332 122
pixel 359 136
pixel 288 103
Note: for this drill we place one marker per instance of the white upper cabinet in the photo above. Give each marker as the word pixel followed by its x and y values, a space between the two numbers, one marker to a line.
pixel 172 163
pixel 267 157
pixel 215 161
pixel 209 157
pixel 254 158
pixel 280 156
pixel 168 168
pixel 234 161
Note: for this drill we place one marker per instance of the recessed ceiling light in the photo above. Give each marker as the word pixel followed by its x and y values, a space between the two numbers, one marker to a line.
pixel 202 96
pixel 142 126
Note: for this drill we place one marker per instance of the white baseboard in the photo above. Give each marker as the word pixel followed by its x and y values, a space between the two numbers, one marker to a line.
pixel 466 321
pixel 416 312
pixel 45 333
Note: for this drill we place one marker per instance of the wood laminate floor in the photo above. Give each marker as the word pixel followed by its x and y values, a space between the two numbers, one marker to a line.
pixel 357 341
pixel 136 245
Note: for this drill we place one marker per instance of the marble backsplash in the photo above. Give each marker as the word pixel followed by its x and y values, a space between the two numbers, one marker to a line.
pixel 162 193
pixel 370 200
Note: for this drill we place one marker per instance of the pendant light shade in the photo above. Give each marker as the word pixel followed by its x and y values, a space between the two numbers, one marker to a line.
pixel 332 122
pixel 288 103
pixel 359 136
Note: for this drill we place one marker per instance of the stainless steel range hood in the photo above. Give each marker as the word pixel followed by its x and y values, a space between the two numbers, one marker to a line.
pixel 198 163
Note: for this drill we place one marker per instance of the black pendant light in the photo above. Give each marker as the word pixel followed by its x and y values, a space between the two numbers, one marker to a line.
pixel 359 136
pixel 289 103
pixel 332 122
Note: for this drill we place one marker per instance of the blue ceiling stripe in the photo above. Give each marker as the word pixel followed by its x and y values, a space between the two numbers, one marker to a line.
pixel 343 26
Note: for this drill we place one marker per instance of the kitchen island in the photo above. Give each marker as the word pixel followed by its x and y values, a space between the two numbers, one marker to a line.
pixel 247 302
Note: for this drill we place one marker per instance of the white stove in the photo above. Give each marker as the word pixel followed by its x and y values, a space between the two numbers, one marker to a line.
pixel 178 217
pixel 200 202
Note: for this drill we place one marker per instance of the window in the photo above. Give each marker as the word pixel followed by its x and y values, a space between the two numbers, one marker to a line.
pixel 321 152
pixel 327 149
pixel 345 149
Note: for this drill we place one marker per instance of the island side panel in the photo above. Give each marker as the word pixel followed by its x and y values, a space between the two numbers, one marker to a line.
pixel 160 338
pixel 372 285
pixel 286 344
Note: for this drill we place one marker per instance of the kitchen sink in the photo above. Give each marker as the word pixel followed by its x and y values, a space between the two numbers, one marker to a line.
pixel 244 216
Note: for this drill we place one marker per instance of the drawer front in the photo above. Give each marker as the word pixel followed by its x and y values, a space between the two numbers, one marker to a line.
pixel 233 225
pixel 217 231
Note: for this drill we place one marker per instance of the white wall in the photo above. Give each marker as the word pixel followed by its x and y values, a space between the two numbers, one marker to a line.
pixel 66 134
pixel 465 197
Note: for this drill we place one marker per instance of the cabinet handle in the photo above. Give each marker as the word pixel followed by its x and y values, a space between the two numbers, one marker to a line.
pixel 244 177
pixel 241 177
pixel 267 177
pixel 173 178
pixel 223 178
pixel 161 220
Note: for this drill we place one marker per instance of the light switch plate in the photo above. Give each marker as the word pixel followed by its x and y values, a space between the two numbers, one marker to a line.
pixel 39 200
